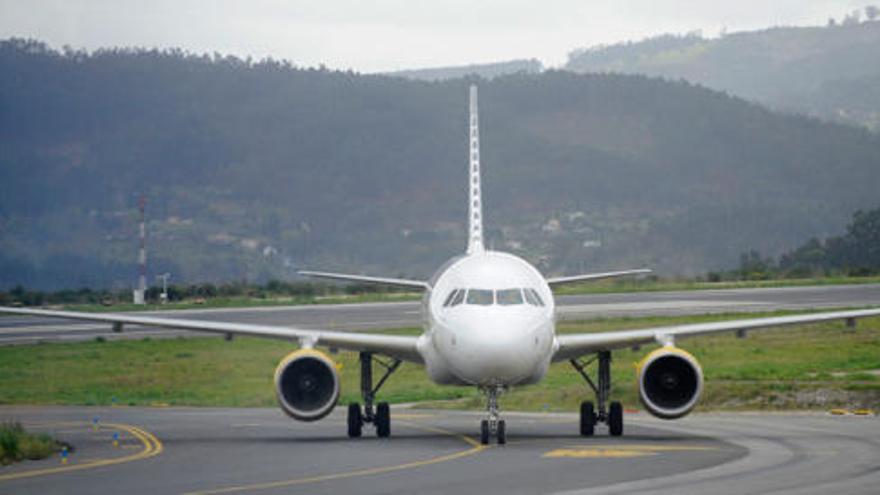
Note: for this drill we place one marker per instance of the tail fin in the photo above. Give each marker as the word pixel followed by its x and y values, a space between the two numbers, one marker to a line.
pixel 475 203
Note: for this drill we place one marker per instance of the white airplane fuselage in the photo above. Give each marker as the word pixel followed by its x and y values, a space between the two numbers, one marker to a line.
pixel 496 336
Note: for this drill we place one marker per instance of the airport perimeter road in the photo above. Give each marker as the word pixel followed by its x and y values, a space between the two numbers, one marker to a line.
pixel 360 317
pixel 214 451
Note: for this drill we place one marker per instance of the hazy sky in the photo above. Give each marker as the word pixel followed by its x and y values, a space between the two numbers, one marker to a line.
pixel 375 35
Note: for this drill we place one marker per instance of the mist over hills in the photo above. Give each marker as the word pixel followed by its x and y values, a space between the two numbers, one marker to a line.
pixel 831 72
pixel 254 169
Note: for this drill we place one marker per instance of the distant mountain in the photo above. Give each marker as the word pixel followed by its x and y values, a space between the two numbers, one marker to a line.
pixel 830 72
pixel 486 71
pixel 253 169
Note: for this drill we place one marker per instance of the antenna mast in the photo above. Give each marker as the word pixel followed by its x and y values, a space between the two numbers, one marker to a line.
pixel 141 291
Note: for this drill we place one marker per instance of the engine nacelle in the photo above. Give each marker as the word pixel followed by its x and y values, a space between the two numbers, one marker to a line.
pixel 307 384
pixel 670 382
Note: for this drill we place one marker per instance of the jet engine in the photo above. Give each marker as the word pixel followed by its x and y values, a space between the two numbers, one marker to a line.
pixel 670 382
pixel 307 384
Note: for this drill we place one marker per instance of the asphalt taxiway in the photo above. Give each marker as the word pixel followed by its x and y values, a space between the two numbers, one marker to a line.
pixel 213 451
pixel 373 316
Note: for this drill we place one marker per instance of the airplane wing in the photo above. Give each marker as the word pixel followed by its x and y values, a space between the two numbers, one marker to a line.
pixel 401 282
pixel 574 345
pixel 594 276
pixel 398 346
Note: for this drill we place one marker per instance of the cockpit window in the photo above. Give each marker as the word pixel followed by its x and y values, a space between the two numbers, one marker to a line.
pixel 509 297
pixel 537 297
pixel 480 297
pixel 449 298
pixel 533 298
pixel 459 298
pixel 485 297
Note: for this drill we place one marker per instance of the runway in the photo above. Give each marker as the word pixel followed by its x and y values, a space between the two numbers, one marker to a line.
pixel 212 451
pixel 373 316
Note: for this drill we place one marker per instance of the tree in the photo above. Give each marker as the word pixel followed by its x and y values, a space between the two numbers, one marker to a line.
pixel 862 240
pixel 871 12
pixel 807 260
pixel 852 19
pixel 856 252
pixel 753 266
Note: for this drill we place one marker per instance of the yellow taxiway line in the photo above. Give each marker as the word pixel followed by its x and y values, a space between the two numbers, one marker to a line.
pixel 622 450
pixel 475 447
pixel 152 447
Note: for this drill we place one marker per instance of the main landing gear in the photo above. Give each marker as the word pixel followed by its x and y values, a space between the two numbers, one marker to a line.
pixel 613 415
pixel 381 417
pixel 493 425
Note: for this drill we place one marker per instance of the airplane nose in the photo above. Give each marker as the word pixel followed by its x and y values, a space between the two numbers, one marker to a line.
pixel 492 353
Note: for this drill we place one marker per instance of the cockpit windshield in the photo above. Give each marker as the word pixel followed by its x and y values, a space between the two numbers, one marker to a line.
pixel 509 297
pixel 486 297
pixel 480 297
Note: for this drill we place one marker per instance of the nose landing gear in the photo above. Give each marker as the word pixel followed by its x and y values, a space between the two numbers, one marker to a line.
pixel 613 415
pixel 381 416
pixel 493 425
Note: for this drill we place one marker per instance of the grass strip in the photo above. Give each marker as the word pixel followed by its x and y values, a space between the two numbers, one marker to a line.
pixel 806 367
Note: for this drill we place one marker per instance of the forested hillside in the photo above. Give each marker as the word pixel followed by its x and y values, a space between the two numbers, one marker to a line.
pixel 831 72
pixel 487 71
pixel 254 168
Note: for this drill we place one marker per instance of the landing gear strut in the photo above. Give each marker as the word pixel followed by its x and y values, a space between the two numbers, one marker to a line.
pixel 381 416
pixel 493 425
pixel 613 415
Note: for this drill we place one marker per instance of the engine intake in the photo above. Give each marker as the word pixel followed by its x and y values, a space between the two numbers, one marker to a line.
pixel 670 382
pixel 307 384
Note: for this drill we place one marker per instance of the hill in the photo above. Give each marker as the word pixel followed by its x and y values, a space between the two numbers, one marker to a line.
pixel 253 168
pixel 831 72
pixel 486 71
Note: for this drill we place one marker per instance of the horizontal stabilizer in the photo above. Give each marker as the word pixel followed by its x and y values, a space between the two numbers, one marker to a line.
pixel 400 282
pixel 594 276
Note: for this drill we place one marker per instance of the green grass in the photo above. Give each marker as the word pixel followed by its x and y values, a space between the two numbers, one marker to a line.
pixel 186 371
pixel 16 444
pixel 812 366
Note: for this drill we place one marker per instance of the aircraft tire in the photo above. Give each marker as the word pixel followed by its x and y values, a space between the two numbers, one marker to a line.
pixel 383 420
pixel 484 432
pixel 502 432
pixel 355 421
pixel 615 419
pixel 588 419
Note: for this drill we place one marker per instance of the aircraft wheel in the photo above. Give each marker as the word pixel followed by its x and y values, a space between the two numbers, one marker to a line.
pixel 615 419
pixel 355 422
pixel 501 433
pixel 383 420
pixel 588 419
pixel 484 432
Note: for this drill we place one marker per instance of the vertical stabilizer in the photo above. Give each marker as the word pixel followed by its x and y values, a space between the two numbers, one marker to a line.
pixel 475 200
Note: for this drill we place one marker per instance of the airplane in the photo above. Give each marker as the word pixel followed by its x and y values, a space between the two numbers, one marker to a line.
pixel 489 323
